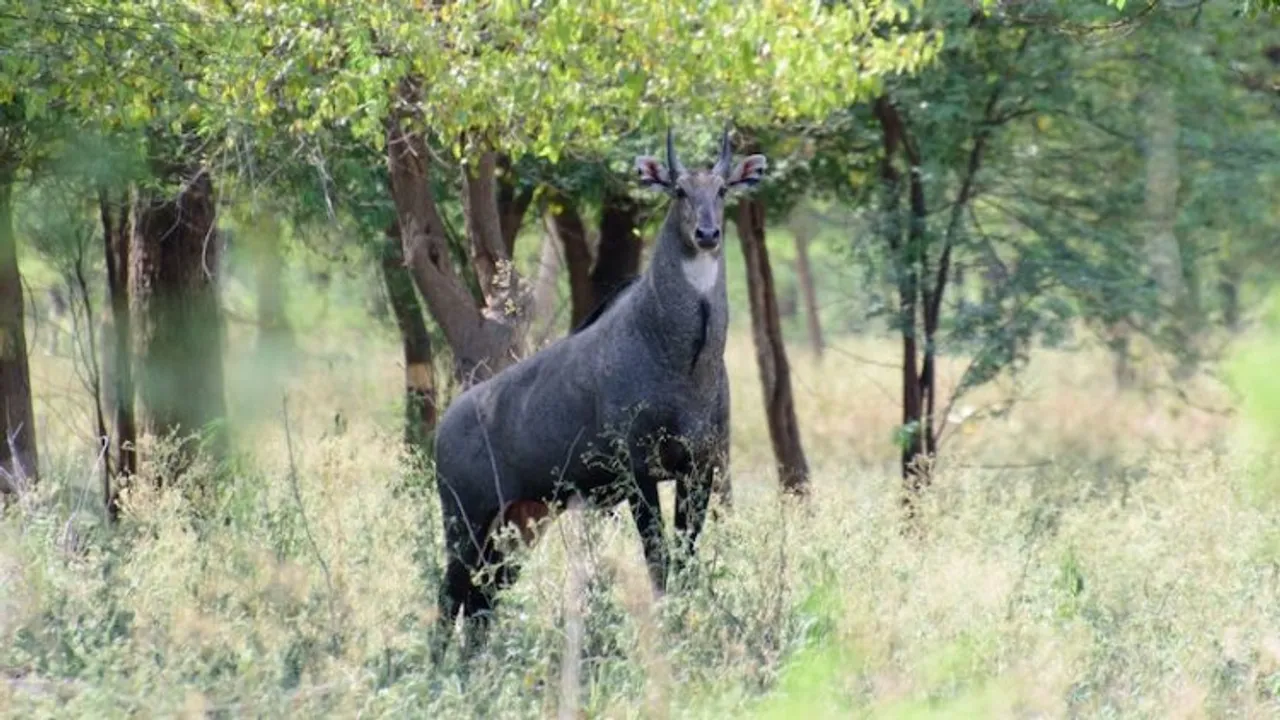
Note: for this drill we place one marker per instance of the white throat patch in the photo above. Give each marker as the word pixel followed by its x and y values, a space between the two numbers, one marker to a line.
pixel 702 271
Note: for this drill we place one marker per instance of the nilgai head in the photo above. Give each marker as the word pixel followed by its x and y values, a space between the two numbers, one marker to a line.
pixel 699 194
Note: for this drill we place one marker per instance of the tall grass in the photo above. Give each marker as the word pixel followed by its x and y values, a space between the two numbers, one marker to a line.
pixel 1087 553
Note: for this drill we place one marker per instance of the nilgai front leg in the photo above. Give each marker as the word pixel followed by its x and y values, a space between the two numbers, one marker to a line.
pixel 693 497
pixel 646 510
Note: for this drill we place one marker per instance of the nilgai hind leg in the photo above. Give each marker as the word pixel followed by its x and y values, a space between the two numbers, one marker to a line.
pixel 479 568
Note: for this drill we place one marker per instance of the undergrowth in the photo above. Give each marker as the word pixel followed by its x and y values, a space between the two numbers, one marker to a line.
pixel 1140 583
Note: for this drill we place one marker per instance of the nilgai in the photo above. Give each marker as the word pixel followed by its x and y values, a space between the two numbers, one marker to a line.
pixel 636 394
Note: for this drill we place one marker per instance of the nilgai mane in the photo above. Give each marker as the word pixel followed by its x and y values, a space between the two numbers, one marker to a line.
pixel 636 394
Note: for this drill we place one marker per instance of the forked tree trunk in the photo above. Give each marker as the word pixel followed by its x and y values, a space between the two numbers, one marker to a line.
pixel 176 316
pixel 803 231
pixel 771 355
pixel 19 461
pixel 565 222
pixel 118 345
pixel 483 337
pixel 621 248
pixel 420 397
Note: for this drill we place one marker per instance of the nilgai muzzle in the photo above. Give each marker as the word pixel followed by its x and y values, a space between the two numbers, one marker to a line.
pixel 635 395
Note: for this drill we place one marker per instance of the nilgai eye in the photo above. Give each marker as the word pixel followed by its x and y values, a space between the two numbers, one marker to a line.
pixel 680 193
pixel 722 191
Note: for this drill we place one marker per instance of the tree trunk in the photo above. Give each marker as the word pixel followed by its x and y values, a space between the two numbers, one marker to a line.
pixel 483 340
pixel 419 378
pixel 789 301
pixel 771 355
pixel 1230 277
pixel 620 248
pixel 803 231
pixel 545 300
pixel 916 434
pixel 565 222
pixel 513 203
pixel 1117 339
pixel 118 345
pixel 273 326
pixel 176 316
pixel 19 461
pixel 1163 251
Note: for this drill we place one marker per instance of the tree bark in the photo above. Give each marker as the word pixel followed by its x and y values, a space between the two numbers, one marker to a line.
pixel 907 250
pixel 420 397
pixel 565 222
pixel 1164 253
pixel 118 345
pixel 273 326
pixel 484 225
pixel 1162 182
pixel 176 315
pixel 483 339
pixel 545 300
pixel 1230 277
pixel 513 203
pixel 621 248
pixel 771 355
pixel 19 459
pixel 802 228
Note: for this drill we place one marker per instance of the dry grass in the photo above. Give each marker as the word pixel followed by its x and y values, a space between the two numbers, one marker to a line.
pixel 1090 553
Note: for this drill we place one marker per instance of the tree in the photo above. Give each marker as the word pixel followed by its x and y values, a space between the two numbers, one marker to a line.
pixel 802 228
pixel 420 396
pixel 176 314
pixel 19 460
pixel 117 234
pixel 771 357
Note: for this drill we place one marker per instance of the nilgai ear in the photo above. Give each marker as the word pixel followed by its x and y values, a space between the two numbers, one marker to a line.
pixel 652 172
pixel 748 172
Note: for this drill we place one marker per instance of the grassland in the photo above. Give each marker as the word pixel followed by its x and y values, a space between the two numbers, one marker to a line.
pixel 1088 553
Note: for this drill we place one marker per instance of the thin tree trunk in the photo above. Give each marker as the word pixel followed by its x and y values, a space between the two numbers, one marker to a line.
pixel 1162 182
pixel 94 369
pixel 1230 277
pixel 545 299
pixel 1117 338
pixel 420 397
pixel 19 460
pixel 803 230
pixel 908 257
pixel 1164 253
pixel 620 248
pixel 789 301
pixel 771 355
pixel 565 222
pixel 118 345
pixel 513 203
pixel 177 323
pixel 273 326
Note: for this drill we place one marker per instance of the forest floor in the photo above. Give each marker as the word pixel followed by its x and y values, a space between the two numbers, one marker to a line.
pixel 1085 552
